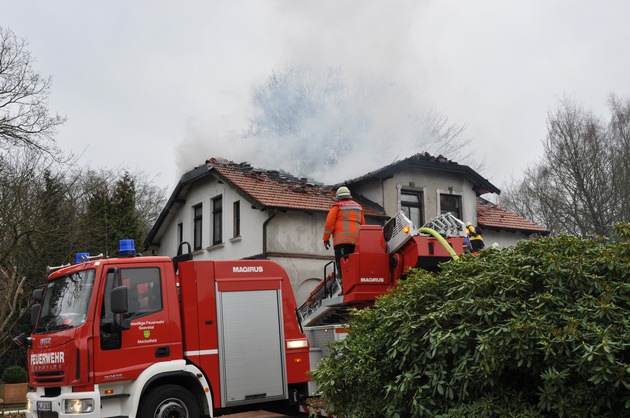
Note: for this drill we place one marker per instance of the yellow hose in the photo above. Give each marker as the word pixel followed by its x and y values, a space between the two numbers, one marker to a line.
pixel 442 241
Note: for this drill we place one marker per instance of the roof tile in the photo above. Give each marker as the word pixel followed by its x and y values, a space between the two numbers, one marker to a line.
pixel 490 215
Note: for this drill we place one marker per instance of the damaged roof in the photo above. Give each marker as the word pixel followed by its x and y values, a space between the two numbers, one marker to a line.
pixel 426 161
pixel 263 188
pixel 279 189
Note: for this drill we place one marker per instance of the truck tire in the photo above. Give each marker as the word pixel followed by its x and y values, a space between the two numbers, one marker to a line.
pixel 169 401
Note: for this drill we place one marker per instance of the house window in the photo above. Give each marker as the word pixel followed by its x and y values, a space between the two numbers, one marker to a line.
pixel 451 203
pixel 197 218
pixel 236 227
pixel 180 233
pixel 217 220
pixel 411 205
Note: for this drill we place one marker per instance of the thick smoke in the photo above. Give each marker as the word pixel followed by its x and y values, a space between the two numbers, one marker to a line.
pixel 325 124
pixel 339 107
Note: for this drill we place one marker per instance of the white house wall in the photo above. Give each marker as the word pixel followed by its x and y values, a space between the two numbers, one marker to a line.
pixel 372 190
pixel 294 240
pixel 503 238
pixel 248 244
pixel 430 183
pixel 296 232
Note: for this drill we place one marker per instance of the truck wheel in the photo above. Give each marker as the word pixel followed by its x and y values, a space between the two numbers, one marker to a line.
pixel 169 401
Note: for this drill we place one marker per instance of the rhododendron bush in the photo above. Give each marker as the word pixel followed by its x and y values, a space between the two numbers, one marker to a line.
pixel 539 329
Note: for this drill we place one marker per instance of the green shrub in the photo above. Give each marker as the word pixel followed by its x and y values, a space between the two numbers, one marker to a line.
pixel 539 329
pixel 14 374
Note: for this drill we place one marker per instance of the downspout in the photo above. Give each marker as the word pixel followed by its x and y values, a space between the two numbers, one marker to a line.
pixel 264 243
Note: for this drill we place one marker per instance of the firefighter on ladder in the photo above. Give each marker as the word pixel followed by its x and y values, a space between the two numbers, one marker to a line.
pixel 342 223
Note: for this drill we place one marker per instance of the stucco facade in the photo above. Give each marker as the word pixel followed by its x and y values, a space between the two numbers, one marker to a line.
pixel 431 185
pixel 248 242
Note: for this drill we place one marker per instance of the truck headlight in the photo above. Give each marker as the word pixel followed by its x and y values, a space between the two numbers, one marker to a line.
pixel 78 406
pixel 303 343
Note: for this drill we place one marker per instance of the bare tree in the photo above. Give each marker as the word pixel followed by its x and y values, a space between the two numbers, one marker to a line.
pixel 619 131
pixel 13 305
pixel 21 227
pixel 150 200
pixel 24 115
pixel 581 185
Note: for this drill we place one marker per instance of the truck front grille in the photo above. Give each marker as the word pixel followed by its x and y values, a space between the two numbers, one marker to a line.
pixel 49 377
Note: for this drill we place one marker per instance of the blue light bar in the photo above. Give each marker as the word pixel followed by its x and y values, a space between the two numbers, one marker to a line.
pixel 81 257
pixel 126 248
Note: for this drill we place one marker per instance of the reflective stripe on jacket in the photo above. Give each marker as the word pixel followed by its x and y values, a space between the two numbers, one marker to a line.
pixel 343 222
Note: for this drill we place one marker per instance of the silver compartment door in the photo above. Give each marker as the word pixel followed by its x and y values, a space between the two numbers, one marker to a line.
pixel 252 355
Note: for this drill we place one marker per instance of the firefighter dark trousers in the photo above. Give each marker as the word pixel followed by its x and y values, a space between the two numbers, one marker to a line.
pixel 342 250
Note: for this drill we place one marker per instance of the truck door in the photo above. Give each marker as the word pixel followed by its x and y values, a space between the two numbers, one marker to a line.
pixel 123 354
pixel 251 348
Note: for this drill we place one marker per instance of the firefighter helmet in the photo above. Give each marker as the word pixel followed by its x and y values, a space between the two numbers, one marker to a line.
pixel 343 193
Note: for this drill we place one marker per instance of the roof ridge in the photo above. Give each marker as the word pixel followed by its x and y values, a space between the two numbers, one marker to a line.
pixel 275 174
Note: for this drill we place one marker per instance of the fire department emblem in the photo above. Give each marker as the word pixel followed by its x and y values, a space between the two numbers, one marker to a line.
pixel 147 333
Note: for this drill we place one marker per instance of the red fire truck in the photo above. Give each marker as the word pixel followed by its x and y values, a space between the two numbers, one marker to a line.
pixel 160 337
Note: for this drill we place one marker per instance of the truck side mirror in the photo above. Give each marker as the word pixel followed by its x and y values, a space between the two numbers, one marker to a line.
pixel 35 313
pixel 118 299
pixel 38 295
pixel 120 305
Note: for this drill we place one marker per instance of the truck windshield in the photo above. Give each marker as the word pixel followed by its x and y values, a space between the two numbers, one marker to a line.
pixel 66 302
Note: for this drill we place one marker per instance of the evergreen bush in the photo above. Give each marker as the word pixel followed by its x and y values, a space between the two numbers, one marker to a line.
pixel 14 374
pixel 541 329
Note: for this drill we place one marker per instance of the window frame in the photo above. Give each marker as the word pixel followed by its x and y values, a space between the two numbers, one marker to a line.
pixel 457 210
pixel 217 220
pixel 407 206
pixel 236 219
pixel 197 226
pixel 180 233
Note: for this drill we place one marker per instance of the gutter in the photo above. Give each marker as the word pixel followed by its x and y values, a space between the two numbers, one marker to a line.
pixel 264 232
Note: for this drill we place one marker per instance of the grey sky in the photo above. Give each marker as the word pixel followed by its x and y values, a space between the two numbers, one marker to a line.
pixel 160 86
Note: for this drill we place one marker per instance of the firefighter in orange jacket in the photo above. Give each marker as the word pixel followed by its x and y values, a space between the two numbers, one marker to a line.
pixel 343 222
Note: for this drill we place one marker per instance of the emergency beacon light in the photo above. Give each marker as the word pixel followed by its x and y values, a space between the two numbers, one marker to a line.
pixel 126 248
